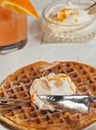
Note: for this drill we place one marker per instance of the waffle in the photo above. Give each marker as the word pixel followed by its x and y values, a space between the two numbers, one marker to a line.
pixel 29 117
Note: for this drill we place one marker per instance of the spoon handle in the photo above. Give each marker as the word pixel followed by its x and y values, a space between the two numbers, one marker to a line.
pixel 91 6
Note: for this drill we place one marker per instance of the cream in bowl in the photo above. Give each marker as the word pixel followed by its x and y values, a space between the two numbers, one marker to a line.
pixel 65 21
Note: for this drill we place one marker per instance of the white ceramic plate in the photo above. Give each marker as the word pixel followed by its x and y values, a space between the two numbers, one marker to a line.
pixel 50 52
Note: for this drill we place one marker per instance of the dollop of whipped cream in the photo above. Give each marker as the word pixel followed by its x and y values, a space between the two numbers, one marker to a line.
pixel 68 14
pixel 52 84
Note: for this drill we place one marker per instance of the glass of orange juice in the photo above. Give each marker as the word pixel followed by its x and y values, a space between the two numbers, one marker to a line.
pixel 13 30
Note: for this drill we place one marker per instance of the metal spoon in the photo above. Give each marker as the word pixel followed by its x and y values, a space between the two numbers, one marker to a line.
pixel 91 9
pixel 73 102
pixel 91 6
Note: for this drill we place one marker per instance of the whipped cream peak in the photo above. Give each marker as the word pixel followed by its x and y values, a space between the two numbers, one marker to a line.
pixel 52 84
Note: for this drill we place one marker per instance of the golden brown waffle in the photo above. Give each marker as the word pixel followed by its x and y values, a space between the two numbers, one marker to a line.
pixel 29 117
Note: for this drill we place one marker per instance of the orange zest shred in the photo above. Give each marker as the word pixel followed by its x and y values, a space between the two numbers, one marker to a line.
pixel 49 79
pixel 21 6
pixel 76 20
pixel 56 78
pixel 63 14
pixel 70 85
pixel 32 96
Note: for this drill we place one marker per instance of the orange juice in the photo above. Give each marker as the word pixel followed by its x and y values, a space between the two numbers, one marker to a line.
pixel 13 28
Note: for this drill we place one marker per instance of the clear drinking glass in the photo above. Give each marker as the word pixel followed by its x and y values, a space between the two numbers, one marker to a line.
pixel 13 31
